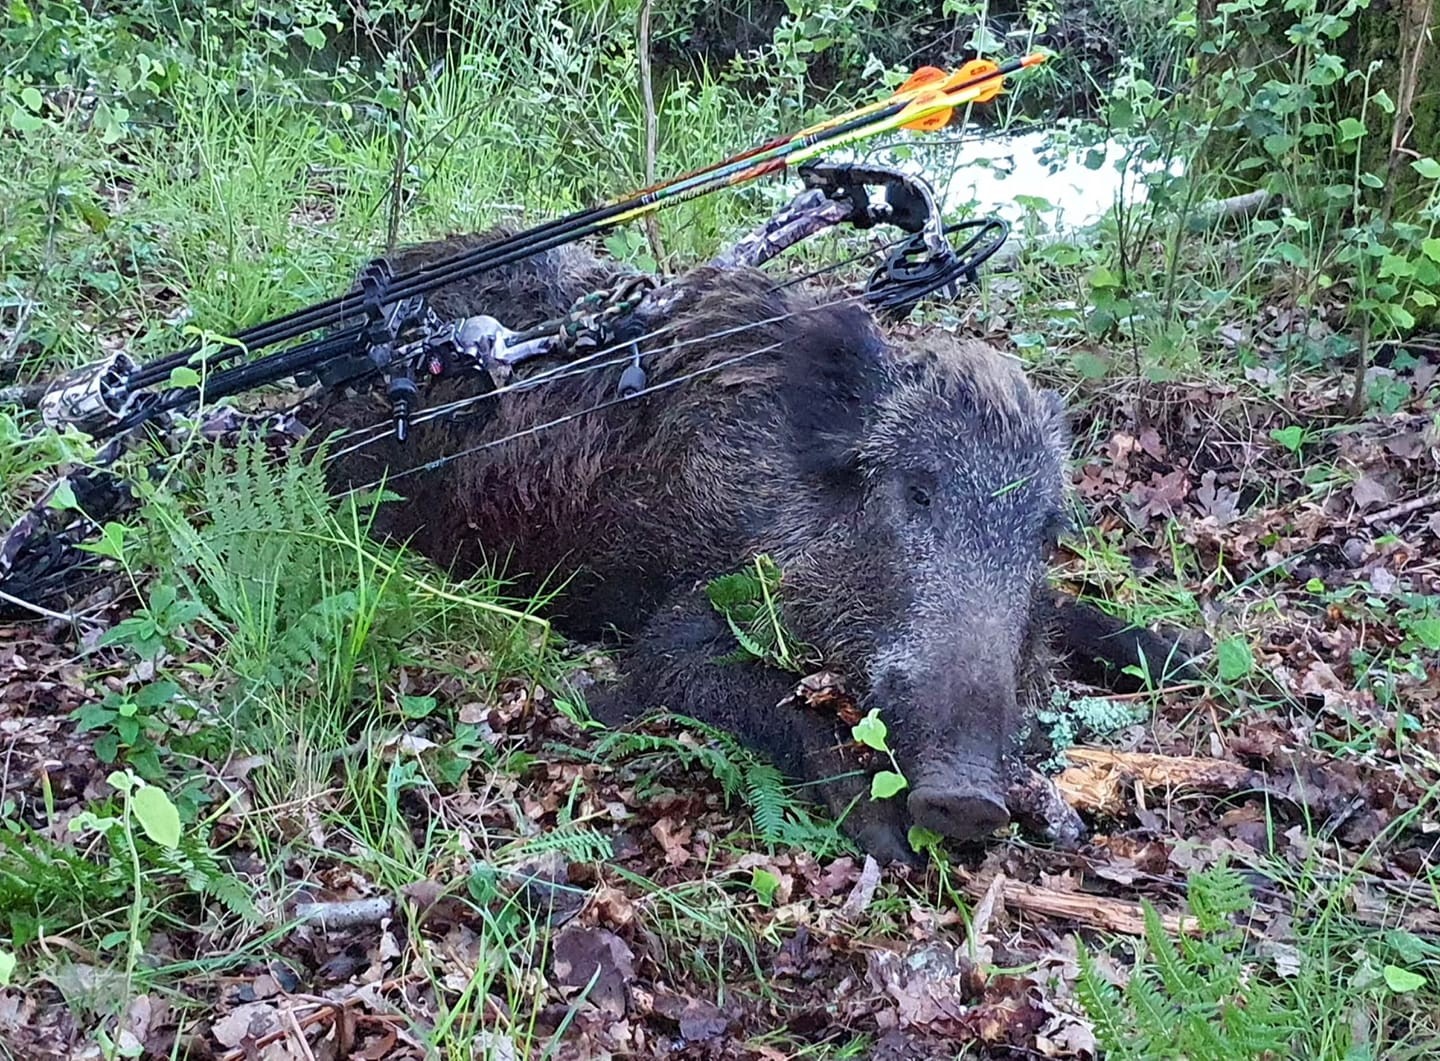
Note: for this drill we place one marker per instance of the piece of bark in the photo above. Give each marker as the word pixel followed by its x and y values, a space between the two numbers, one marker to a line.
pixel 1101 777
pixel 1038 805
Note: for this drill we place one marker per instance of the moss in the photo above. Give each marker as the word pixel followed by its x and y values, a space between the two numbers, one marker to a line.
pixel 1069 720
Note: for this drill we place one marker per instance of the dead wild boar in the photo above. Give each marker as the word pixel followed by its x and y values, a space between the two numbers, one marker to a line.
pixel 911 494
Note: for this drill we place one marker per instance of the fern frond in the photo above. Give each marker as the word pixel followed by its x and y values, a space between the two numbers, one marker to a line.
pixel 1102 1004
pixel 734 590
pixel 578 843
pixel 1193 998
pixel 765 792
pixel 1217 895
pixel 205 874
pixel 1179 979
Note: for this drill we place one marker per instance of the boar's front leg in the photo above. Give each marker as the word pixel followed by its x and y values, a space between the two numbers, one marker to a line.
pixel 674 666
pixel 1099 647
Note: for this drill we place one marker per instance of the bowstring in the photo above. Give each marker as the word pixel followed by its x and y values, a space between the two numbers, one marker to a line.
pixel 535 429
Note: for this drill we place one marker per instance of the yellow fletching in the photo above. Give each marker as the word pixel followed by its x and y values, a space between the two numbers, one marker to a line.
pixel 977 68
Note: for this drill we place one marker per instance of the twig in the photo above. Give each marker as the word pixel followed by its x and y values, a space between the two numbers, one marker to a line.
pixel 402 138
pixel 38 610
pixel 322 1009
pixel 345 914
pixel 1144 694
pixel 1405 508
pixel 1113 915
pixel 299 1034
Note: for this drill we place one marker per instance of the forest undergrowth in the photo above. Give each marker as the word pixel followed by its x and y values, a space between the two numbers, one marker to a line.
pixel 274 790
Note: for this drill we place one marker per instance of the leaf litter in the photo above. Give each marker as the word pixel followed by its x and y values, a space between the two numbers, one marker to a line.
pixel 670 935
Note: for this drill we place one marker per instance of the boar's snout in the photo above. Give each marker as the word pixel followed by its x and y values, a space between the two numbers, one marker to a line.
pixel 960 811
pixel 952 729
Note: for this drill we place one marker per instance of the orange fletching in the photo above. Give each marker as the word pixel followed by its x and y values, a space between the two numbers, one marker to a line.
pixel 925 75
pixel 931 123
pixel 928 83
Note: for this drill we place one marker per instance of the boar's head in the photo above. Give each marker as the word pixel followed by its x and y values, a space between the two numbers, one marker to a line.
pixel 933 496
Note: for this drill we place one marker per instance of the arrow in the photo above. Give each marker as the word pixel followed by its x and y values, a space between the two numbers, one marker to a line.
pixel 925 102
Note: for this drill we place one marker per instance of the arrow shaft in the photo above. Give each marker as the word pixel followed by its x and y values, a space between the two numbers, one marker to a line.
pixel 927 98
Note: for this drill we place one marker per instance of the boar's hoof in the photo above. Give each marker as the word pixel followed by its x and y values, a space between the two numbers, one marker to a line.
pixel 885 844
pixel 960 814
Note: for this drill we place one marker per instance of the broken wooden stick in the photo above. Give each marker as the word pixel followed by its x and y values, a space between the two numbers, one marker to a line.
pixel 1112 915
pixel 1101 777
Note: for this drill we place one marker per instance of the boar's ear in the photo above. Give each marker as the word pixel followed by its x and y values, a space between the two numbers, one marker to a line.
pixel 834 377
pixel 1054 424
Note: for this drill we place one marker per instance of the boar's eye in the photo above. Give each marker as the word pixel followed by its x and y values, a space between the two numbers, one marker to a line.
pixel 919 496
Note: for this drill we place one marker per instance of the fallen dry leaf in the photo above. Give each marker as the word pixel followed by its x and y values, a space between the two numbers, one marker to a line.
pixel 584 954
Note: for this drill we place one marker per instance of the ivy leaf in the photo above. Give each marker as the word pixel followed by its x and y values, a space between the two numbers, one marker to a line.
pixel 1102 278
pixel 1292 437
pixel 417 706
pixel 63 498
pixel 765 884
pixel 111 543
pixel 25 122
pixel 7 967
pixel 1402 980
pixel 922 839
pixel 1427 168
pixel 1234 658
pixel 157 816
pixel 1431 247
pixel 1351 129
pixel 870 731
pixel 1399 316
pixel 1427 632
pixel 184 376
pixel 886 784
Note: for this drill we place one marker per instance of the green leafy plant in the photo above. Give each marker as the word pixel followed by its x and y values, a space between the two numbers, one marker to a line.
pixel 1193 996
pixel 1293 437
pixel 872 732
pixel 135 724
pixel 750 602
pixel 1234 660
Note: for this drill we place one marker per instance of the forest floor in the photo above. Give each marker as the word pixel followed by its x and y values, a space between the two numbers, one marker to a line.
pixel 491 885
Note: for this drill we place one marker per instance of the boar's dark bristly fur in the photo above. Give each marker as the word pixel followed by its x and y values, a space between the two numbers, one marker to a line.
pixel 910 494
